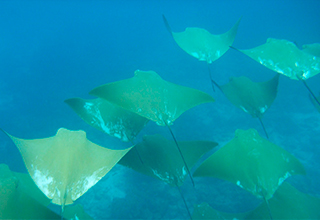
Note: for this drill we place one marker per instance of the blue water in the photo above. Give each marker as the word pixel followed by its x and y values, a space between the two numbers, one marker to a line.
pixel 54 50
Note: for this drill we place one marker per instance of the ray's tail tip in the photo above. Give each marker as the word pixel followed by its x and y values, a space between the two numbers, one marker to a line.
pixel 166 23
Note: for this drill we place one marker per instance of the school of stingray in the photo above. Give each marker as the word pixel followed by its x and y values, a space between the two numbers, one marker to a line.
pixel 65 166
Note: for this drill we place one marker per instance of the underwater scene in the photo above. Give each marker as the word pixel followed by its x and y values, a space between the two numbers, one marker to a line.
pixel 136 109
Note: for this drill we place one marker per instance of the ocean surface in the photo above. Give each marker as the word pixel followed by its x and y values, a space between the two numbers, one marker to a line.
pixel 54 50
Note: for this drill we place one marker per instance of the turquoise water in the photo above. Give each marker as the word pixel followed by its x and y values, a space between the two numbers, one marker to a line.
pixel 54 50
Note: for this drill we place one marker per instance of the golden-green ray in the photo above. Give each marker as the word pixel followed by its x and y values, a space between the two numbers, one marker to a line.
pixel 162 160
pixel 288 203
pixel 253 98
pixel 159 158
pixel 66 165
pixel 21 199
pixel 252 163
pixel 148 95
pixel 286 58
pixel 108 118
pixel 203 45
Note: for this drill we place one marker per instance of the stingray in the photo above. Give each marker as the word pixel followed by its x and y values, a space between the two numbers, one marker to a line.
pixel 253 98
pixel 66 165
pixel 252 163
pixel 20 201
pixel 288 203
pixel 108 118
pixel 284 57
pixel 203 45
pixel 314 102
pixel 149 96
pixel 162 160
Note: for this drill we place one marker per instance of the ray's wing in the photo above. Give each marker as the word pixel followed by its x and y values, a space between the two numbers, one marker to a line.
pixel 148 95
pixel 313 49
pixel 156 159
pixel 204 46
pixel 27 185
pixel 285 58
pixel 108 118
pixel 161 159
pixel 252 163
pixel 16 201
pixel 253 98
pixel 288 203
pixel 66 165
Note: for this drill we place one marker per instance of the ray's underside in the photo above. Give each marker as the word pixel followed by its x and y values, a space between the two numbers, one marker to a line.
pixel 63 167
pixel 66 165
pixel 252 163
pixel 108 118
